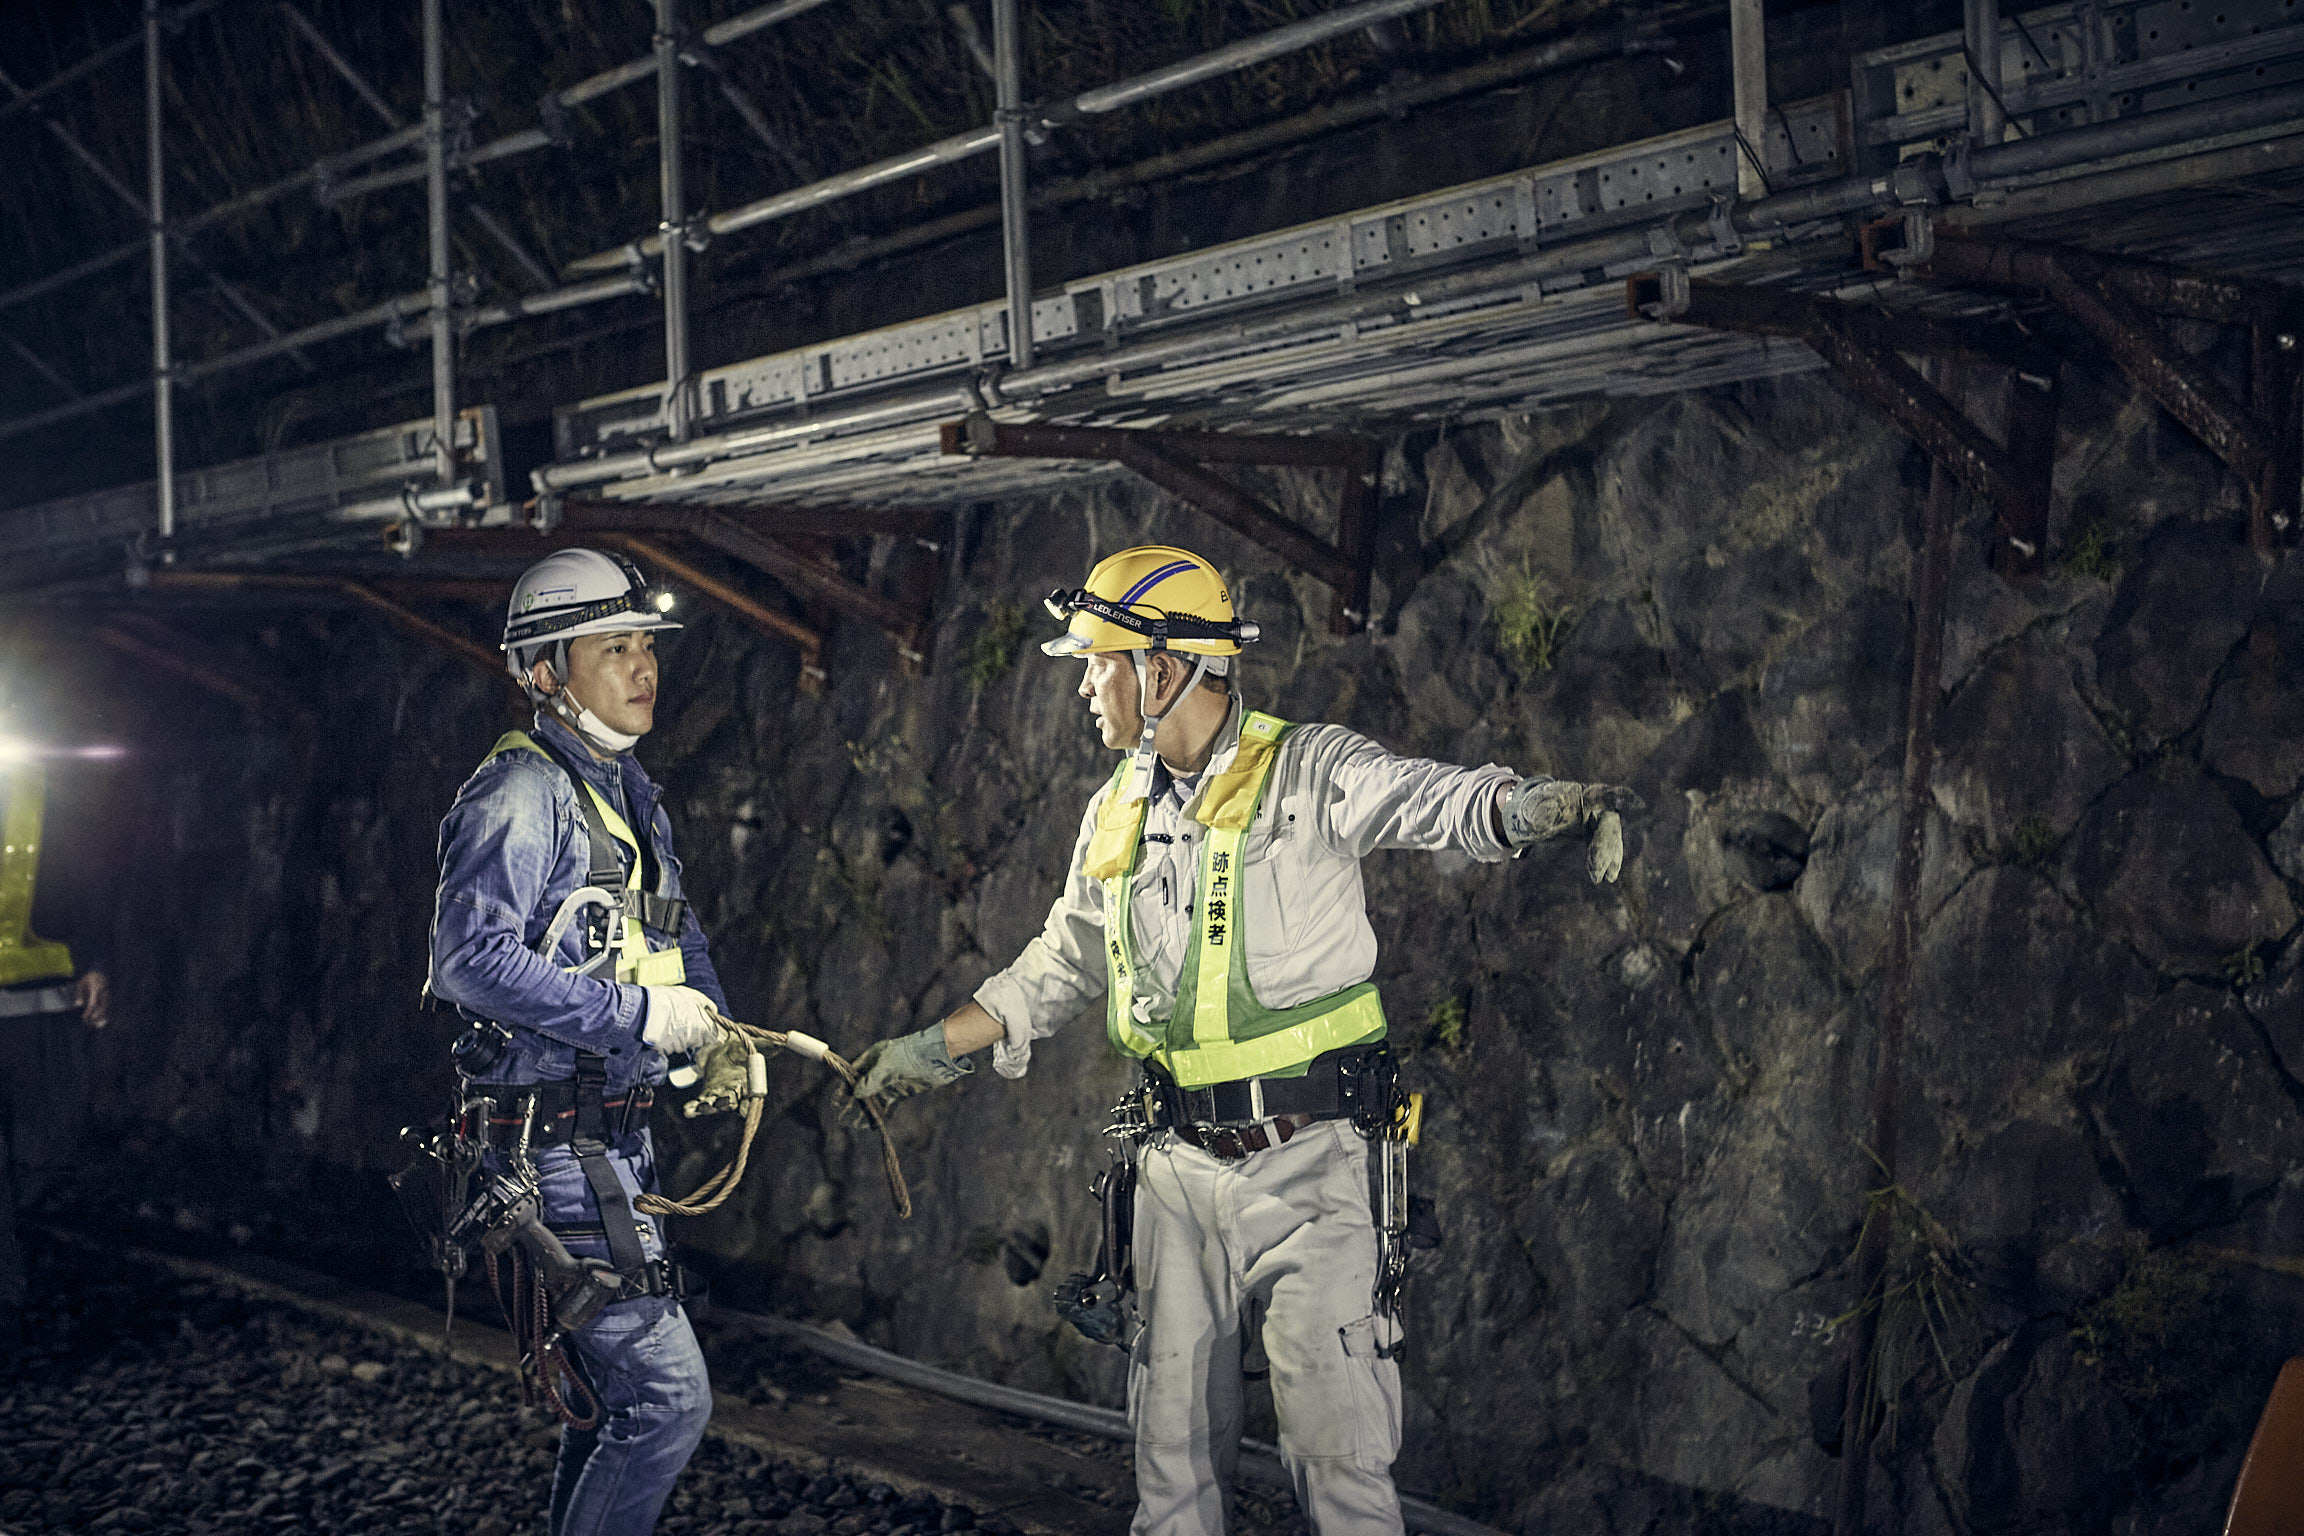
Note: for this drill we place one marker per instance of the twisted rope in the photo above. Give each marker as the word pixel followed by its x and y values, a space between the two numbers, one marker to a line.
pixel 708 1195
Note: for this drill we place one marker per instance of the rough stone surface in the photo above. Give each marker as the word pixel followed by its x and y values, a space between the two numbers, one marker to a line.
pixel 2169 867
pixel 1652 1106
pixel 2023 756
pixel 2256 725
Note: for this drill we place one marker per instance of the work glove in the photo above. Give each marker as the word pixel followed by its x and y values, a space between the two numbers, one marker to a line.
pixel 725 1067
pixel 680 1020
pixel 909 1064
pixel 1536 809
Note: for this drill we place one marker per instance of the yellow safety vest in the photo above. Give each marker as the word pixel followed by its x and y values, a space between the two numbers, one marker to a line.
pixel 1218 1031
pixel 635 961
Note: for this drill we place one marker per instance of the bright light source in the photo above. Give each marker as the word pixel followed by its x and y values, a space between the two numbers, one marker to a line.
pixel 663 602
pixel 15 750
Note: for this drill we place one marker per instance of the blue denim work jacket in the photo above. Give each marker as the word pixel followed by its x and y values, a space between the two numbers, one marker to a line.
pixel 511 849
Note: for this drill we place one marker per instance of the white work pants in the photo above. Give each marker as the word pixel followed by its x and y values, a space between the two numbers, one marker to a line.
pixel 1290 1227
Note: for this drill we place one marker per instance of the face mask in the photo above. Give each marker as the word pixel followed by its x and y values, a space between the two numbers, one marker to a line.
pixel 594 731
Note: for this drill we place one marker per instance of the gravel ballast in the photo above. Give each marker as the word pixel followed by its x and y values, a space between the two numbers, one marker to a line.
pixel 145 1401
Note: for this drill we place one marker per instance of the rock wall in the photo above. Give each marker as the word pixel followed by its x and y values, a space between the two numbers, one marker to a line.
pixel 1650 1103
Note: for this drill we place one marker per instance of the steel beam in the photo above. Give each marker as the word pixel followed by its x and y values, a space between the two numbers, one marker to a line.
pixel 1979 261
pixel 805 577
pixel 2188 391
pixel 1167 460
pixel 2114 300
pixel 154 644
pixel 628 535
pixel 1768 311
pixel 1930 599
pixel 2275 396
pixel 1857 347
pixel 1237 510
pixel 810 641
pixel 2035 402
pixel 462 647
pixel 2017 495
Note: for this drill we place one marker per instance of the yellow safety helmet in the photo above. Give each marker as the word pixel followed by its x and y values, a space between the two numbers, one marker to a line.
pixel 1155 597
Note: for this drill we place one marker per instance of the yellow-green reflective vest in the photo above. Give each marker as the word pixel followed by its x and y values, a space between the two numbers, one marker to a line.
pixel 635 961
pixel 1219 1031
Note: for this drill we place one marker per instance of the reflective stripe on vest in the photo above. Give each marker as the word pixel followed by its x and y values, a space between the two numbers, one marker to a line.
pixel 636 963
pixel 1218 1031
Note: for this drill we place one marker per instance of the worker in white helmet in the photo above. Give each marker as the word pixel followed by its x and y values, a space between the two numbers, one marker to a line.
pixel 1215 898
pixel 562 935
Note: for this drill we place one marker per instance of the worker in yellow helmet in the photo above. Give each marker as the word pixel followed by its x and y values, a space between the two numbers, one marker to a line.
pixel 1215 898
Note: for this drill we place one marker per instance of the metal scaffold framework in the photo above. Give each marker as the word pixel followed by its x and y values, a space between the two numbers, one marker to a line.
pixel 2067 160
pixel 1945 233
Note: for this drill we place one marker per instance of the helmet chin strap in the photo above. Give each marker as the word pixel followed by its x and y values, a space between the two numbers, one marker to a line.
pixel 1140 781
pixel 595 732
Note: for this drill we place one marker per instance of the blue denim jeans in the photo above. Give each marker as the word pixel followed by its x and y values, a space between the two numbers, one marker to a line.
pixel 641 1362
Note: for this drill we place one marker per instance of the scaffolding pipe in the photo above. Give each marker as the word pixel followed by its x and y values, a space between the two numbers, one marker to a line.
pixel 436 225
pixel 1748 60
pixel 342 65
pixel 528 140
pixel 1015 218
pixel 322 172
pixel 163 392
pixel 674 229
pixel 1277 43
pixel 391 312
pixel 2072 146
pixel 976 141
pixel 224 287
pixel 66 77
pixel 1987 118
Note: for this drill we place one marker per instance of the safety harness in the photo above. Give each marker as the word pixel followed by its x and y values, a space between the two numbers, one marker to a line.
pixel 628 896
pixel 626 899
pixel 1219 1031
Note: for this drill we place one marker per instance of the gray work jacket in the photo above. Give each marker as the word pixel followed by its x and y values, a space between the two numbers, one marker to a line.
pixel 1334 798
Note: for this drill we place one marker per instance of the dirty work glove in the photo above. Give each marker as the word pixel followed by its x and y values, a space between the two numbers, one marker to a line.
pixel 909 1064
pixel 1536 809
pixel 680 1020
pixel 726 1070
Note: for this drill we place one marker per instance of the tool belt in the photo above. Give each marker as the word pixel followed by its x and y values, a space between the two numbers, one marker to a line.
pixel 1227 1120
pixel 556 1116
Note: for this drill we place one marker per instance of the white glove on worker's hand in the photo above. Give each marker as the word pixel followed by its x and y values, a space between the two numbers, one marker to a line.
pixel 680 1020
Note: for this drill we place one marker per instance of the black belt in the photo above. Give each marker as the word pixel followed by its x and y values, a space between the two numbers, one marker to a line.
pixel 1345 1084
pixel 620 1114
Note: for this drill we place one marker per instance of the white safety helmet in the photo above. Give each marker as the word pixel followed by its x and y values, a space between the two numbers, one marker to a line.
pixel 577 592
